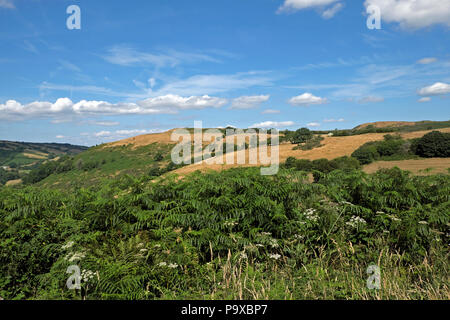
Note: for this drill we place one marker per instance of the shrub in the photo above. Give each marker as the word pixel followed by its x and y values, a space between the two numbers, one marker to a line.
pixel 301 135
pixel 366 154
pixel 433 144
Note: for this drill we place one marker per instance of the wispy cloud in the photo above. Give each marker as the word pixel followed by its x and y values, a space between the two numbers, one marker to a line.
pixel 8 4
pixel 273 124
pixel 128 56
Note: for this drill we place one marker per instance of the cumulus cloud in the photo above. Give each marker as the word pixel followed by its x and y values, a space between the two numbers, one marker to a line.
pixel 424 99
pixel 272 124
pixel 295 5
pixel 313 124
pixel 168 104
pixel 371 99
pixel 306 99
pixel 8 4
pixel 248 102
pixel 439 88
pixel 427 60
pixel 413 14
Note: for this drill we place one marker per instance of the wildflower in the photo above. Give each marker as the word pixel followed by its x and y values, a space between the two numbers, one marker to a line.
pixel 162 264
pixel 311 215
pixel 274 243
pixel 355 221
pixel 423 222
pixel 173 265
pixel 275 256
pixel 75 257
pixel 266 233
pixel 259 245
pixel 68 245
pixel 87 275
pixel 143 250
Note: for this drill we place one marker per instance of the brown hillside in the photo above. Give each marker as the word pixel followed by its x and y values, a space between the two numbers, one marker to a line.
pixel 384 124
pixel 332 147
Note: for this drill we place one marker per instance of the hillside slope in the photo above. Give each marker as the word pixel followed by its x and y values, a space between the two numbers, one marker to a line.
pixel 24 154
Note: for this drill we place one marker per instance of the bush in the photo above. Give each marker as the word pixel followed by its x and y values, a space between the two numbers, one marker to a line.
pixel 300 136
pixel 366 154
pixel 433 144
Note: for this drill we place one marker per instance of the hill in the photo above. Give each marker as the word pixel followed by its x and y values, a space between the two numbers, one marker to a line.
pixel 149 154
pixel 24 154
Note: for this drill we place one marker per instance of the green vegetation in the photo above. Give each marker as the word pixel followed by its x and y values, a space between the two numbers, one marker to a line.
pixel 6 175
pixel 230 235
pixel 433 144
pixel 393 147
pixel 417 126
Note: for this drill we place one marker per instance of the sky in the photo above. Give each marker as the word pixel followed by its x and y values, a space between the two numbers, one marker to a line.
pixel 135 67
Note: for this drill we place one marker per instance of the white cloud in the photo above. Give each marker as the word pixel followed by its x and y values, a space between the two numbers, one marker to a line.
pixel 334 120
pixel 270 111
pixel 295 5
pixel 248 102
pixel 128 56
pixel 413 13
pixel 102 134
pixel 120 134
pixel 60 136
pixel 438 88
pixel 306 99
pixel 213 84
pixel 168 104
pixel 107 123
pixel 313 124
pixel 272 124
pixel 331 12
pixel 424 99
pixel 427 60
pixel 371 99
pixel 8 4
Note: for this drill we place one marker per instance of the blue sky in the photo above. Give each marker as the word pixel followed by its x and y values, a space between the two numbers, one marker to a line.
pixel 146 66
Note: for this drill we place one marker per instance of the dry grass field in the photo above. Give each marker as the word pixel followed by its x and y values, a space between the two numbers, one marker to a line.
pixel 416 166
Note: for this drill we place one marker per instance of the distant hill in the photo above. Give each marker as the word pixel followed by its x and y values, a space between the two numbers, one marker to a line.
pixel 404 125
pixel 25 155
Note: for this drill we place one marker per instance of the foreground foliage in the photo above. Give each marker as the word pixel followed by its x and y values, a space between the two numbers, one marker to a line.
pixel 230 235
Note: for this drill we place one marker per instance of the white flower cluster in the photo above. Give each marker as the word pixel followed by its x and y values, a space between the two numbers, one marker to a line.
pixel 75 256
pixel 275 256
pixel 229 224
pixel 170 265
pixel 274 243
pixel 311 215
pixel 87 275
pixel 68 245
pixel 355 221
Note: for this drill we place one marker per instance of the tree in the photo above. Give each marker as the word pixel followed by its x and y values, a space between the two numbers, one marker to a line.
pixel 434 144
pixel 300 136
